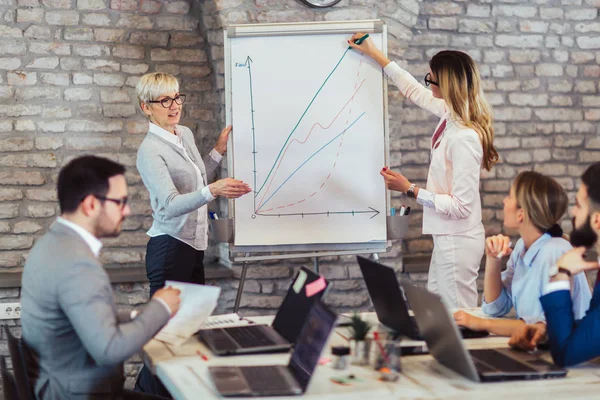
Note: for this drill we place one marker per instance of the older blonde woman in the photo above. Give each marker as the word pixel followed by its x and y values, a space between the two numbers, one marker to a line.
pixel 176 178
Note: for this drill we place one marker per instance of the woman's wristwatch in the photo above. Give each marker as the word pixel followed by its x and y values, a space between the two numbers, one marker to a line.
pixel 411 191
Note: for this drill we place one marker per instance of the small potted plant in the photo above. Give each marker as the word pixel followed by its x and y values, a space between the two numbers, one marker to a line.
pixel 359 342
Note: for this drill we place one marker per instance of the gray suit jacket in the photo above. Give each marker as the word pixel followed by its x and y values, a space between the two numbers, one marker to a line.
pixel 70 321
pixel 172 183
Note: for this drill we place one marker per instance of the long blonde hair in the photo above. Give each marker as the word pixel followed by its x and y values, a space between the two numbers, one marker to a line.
pixel 460 85
pixel 543 200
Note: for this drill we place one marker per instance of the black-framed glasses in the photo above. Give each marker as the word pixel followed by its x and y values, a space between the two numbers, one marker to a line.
pixel 167 102
pixel 122 202
pixel 428 80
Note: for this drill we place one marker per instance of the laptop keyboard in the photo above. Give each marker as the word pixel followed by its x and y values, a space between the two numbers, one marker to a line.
pixel 467 333
pixel 265 379
pixel 250 336
pixel 498 361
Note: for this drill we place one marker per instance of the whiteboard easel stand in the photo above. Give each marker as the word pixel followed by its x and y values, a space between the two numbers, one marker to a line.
pixel 397 227
pixel 315 255
pixel 238 297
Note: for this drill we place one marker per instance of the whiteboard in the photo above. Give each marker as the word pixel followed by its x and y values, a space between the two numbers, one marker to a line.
pixel 309 136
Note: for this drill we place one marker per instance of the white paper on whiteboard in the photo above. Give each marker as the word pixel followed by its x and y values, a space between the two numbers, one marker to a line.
pixel 309 138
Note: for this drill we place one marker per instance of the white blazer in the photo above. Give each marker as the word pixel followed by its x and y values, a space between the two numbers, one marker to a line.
pixel 451 198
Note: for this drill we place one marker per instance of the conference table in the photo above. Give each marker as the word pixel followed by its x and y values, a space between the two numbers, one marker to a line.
pixel 184 372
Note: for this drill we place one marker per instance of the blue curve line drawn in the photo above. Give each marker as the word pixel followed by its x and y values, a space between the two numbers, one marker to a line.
pixel 308 159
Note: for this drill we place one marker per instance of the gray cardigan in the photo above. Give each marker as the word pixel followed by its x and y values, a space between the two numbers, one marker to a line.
pixel 173 186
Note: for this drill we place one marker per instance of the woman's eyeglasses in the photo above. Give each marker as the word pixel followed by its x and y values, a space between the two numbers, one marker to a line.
pixel 428 80
pixel 122 202
pixel 167 102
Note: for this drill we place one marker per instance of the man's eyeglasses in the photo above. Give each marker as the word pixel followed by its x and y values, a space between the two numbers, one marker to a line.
pixel 167 102
pixel 122 202
pixel 428 80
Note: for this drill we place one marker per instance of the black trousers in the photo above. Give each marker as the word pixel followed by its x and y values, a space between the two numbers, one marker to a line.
pixel 168 259
pixel 129 395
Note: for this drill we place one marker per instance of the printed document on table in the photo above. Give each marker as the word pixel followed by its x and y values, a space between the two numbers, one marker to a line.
pixel 197 304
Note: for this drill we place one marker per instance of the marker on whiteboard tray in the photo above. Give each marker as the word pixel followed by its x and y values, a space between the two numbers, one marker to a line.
pixel 392 211
pixel 407 211
pixel 213 215
pixel 360 40
pixel 402 210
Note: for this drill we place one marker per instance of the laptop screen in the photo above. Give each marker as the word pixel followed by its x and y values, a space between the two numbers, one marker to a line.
pixel 296 305
pixel 388 300
pixel 312 340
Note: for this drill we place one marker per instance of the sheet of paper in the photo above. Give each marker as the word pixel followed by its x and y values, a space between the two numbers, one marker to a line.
pixel 197 303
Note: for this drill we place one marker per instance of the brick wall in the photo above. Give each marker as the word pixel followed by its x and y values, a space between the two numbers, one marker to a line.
pixel 68 68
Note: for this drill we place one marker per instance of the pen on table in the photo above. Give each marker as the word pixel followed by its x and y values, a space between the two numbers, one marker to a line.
pixel 198 352
pixel 407 210
pixel 392 211
pixel 344 337
pixel 500 255
pixel 360 40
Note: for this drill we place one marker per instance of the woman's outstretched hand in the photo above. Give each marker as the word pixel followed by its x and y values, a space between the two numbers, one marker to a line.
pixel 229 187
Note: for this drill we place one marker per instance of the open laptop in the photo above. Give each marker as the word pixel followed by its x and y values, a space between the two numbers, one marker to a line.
pixel 284 331
pixel 281 380
pixel 390 305
pixel 438 328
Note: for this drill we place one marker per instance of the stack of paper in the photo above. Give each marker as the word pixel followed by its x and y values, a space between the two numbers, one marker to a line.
pixel 197 303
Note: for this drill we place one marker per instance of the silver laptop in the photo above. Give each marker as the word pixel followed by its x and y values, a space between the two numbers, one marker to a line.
pixel 440 332
pixel 281 380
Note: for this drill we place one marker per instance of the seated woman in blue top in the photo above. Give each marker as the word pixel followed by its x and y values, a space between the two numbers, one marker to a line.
pixel 534 207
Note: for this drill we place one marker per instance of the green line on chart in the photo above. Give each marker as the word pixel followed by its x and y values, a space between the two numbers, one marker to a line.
pixel 300 120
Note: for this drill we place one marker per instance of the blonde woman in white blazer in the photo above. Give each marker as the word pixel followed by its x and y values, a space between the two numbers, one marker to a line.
pixel 461 145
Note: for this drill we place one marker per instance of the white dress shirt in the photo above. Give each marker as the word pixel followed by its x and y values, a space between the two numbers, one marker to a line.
pixel 91 240
pixel 451 197
pixel 201 241
pixel 95 246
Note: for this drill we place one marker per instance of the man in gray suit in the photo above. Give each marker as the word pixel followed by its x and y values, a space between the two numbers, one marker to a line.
pixel 70 322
